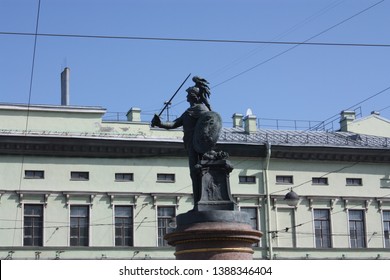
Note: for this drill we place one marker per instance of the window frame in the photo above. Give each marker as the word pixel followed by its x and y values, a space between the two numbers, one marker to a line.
pixel 33 219
pixel 36 174
pixel 353 181
pixel 163 224
pixel 319 179
pixel 243 179
pixel 79 178
pixel 325 231
pixel 358 225
pixel 79 227
pixel 289 181
pixel 164 178
pixel 123 175
pixel 386 228
pixel 126 231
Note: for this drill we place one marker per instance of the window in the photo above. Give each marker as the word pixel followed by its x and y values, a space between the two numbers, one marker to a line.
pixel 163 177
pixel 33 225
pixel 386 227
pixel 385 183
pixel 80 176
pixel 357 229
pixel 79 225
pixel 252 212
pixel 247 179
pixel 286 220
pixel 322 228
pixel 319 181
pixel 34 174
pixel 124 177
pixel 123 226
pixel 284 179
pixel 164 217
pixel 354 182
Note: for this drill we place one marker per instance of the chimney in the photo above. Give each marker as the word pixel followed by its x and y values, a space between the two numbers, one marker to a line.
pixel 347 117
pixel 65 87
pixel 250 122
pixel 134 115
pixel 237 120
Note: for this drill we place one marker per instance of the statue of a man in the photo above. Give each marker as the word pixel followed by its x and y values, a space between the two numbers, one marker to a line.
pixel 188 121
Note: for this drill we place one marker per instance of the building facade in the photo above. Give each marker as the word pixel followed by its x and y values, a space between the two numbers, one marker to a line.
pixel 73 186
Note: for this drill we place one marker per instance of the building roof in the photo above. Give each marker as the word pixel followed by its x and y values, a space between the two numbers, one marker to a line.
pixel 305 138
pixel 238 136
pixel 70 134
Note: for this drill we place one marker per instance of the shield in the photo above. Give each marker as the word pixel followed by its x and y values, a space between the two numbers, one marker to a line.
pixel 207 131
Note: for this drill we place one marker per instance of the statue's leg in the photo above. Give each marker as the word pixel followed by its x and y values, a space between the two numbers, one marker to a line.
pixel 193 158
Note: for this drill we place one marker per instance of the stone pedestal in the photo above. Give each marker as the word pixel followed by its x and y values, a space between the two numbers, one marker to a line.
pixel 214 229
pixel 213 235
pixel 214 186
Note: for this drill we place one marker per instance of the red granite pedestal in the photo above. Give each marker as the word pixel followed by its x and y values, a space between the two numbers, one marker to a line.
pixel 214 241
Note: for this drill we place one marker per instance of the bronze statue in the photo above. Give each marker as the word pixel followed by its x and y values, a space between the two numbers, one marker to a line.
pixel 214 228
pixel 201 129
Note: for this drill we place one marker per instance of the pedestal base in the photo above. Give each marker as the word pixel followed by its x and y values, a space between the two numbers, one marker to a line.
pixel 229 239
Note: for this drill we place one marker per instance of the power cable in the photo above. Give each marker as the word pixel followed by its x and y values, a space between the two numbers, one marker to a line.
pixel 333 213
pixel 196 40
pixel 278 37
pixel 309 181
pixel 385 108
pixel 287 229
pixel 293 47
pixel 225 41
pixel 29 97
pixel 298 44
pixel 332 118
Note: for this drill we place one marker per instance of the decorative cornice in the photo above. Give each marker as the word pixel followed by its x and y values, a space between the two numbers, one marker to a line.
pixel 331 153
pixel 72 146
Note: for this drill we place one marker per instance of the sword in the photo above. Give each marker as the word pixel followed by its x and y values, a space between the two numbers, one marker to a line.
pixel 167 103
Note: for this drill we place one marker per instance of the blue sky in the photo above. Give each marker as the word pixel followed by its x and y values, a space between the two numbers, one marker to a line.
pixel 309 82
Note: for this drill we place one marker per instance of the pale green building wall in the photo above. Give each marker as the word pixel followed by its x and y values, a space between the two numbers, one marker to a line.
pixel 146 194
pixel 345 198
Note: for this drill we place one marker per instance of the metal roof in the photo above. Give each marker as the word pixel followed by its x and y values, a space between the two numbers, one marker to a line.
pixel 305 138
pixel 238 136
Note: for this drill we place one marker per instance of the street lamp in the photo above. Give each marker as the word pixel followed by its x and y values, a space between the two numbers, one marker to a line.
pixel 291 198
pixel 172 223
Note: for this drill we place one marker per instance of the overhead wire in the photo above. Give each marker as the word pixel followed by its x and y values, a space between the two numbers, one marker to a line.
pixel 197 40
pixel 332 118
pixel 334 171
pixel 277 38
pixel 309 181
pixel 353 106
pixel 344 167
pixel 385 108
pixel 287 229
pixel 305 42
pixel 29 96
pixel 296 44
pixel 60 225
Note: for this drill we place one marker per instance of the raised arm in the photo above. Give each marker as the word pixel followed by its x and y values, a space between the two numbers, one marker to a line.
pixel 156 121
